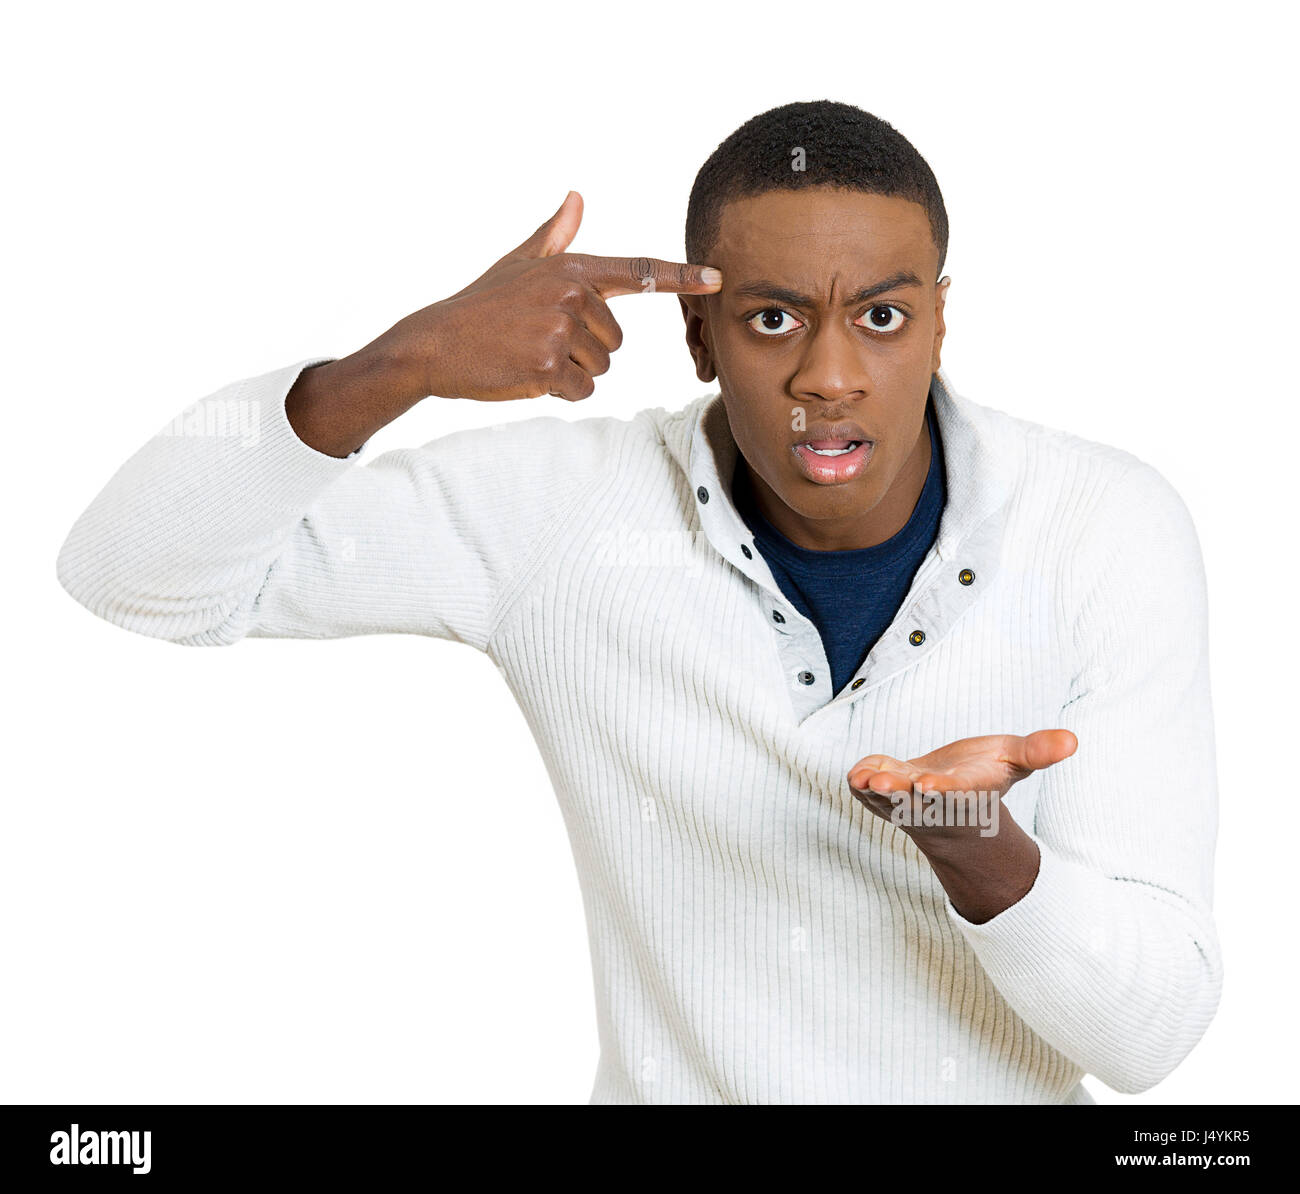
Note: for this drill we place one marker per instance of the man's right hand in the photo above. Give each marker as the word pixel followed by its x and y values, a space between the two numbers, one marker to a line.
pixel 536 322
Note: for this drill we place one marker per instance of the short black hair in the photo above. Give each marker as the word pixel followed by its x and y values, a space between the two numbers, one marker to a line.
pixel 841 145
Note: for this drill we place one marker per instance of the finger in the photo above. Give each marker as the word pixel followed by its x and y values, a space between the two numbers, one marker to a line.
pixel 588 353
pixel 864 769
pixel 875 763
pixel 610 276
pixel 885 782
pixel 1040 749
pixel 882 781
pixel 556 234
pixel 599 320
pixel 571 383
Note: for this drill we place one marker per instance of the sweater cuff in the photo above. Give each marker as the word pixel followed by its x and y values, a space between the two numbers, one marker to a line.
pixel 279 383
pixel 1060 907
pixel 277 472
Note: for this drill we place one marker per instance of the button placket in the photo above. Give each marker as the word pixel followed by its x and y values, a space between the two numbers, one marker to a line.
pixel 799 643
pixel 939 606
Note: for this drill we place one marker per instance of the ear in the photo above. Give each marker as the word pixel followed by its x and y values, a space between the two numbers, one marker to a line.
pixel 940 297
pixel 695 313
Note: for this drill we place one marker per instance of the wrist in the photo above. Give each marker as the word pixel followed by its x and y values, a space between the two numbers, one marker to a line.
pixel 984 876
pixel 336 406
pixel 401 361
pixel 375 377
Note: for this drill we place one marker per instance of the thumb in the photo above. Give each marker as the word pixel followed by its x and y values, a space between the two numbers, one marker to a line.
pixel 557 233
pixel 1042 748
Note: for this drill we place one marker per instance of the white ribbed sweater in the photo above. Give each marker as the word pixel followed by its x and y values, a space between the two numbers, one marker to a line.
pixel 757 936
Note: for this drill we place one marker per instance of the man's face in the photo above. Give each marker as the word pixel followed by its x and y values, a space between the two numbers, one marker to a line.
pixel 797 345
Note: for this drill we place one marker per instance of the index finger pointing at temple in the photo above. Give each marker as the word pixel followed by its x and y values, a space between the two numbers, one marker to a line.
pixel 609 276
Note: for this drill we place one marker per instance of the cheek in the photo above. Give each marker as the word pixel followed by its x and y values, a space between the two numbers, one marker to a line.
pixel 737 354
pixel 754 378
pixel 761 443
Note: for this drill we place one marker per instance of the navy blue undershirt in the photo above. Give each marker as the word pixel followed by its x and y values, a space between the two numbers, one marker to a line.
pixel 850 596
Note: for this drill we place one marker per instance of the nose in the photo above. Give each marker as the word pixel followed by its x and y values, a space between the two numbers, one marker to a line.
pixel 833 366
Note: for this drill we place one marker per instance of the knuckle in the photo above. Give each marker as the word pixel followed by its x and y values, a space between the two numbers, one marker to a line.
pixel 569 264
pixel 602 322
pixel 572 293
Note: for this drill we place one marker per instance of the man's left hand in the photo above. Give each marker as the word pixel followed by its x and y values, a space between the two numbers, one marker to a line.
pixel 989 764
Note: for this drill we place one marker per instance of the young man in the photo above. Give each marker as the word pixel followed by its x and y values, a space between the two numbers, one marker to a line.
pixel 782 649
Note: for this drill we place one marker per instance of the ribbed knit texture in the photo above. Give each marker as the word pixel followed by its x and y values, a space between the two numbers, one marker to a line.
pixel 757 936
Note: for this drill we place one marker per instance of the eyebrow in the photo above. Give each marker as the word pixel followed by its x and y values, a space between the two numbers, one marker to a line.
pixel 783 294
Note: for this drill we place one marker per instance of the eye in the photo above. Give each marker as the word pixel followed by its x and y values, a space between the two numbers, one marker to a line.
pixel 773 322
pixel 882 309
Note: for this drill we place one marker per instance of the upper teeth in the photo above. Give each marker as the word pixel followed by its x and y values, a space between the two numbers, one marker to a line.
pixel 833 451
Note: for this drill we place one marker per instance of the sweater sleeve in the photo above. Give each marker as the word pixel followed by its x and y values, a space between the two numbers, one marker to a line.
pixel 1112 957
pixel 225 525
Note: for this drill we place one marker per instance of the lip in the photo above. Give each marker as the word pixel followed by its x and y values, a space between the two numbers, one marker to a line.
pixel 833 470
pixel 843 430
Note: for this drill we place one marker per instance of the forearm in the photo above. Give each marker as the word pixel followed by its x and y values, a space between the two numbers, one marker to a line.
pixel 983 876
pixel 335 407
pixel 1119 976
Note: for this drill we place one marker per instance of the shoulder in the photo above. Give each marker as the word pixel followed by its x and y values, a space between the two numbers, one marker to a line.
pixel 1092 489
pixel 1046 451
pixel 1126 548
pixel 1105 527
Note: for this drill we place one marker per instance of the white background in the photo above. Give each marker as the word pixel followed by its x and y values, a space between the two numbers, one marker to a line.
pixel 294 871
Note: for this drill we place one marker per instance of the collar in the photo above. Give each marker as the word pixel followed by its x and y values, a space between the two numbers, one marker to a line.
pixel 976 460
pixel 981 458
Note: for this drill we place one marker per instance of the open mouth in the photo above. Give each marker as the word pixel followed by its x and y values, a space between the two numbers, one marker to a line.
pixel 832 462
pixel 832 447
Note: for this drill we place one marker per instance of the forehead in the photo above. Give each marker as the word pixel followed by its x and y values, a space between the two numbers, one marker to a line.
pixel 802 231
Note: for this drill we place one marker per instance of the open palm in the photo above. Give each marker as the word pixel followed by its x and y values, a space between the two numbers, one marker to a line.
pixel 990 763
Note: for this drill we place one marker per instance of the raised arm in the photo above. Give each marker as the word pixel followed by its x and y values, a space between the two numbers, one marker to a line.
pixel 250 514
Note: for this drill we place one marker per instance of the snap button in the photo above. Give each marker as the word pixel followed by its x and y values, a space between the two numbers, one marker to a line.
pixel 916 638
pixel 702 494
pixel 806 677
pixel 966 576
pixel 859 682
pixel 777 616
pixel 744 550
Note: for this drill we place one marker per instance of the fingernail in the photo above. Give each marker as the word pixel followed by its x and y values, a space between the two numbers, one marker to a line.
pixel 710 276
